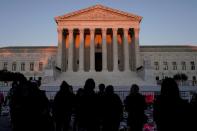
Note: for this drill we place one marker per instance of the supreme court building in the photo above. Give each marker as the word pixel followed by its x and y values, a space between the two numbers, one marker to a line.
pixel 101 43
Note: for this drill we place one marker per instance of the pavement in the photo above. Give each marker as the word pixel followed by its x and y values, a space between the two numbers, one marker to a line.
pixel 5 123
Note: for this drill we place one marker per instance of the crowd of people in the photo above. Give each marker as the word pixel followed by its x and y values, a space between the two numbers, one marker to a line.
pixel 1 101
pixel 87 110
pixel 171 112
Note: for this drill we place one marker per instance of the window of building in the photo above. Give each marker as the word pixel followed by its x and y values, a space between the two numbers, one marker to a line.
pixel 157 78
pixel 14 66
pixel 23 66
pixel 32 66
pixel 174 66
pixel 192 65
pixel 156 63
pixel 165 63
pixel 40 66
pixel 5 66
pixel 183 64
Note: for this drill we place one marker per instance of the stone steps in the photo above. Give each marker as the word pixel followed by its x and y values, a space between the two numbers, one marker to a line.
pixel 125 78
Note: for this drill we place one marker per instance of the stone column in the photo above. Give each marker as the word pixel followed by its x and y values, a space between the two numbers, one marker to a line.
pixel 64 61
pixel 115 50
pixel 60 49
pixel 81 50
pixel 70 50
pixel 137 48
pixel 126 50
pixel 92 51
pixel 104 49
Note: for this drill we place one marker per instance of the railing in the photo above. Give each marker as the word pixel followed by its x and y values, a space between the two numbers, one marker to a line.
pixel 182 83
pixel 187 95
pixel 122 91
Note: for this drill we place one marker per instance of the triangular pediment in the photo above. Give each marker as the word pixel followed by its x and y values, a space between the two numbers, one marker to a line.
pixel 98 12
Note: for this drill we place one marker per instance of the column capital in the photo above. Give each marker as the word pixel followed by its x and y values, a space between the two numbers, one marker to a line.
pixel 70 29
pixel 92 29
pixel 59 29
pixel 92 32
pixel 126 30
pixel 81 30
pixel 136 32
pixel 136 29
pixel 115 29
pixel 104 31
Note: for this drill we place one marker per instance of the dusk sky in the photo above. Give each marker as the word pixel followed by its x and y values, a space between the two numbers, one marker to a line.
pixel 31 22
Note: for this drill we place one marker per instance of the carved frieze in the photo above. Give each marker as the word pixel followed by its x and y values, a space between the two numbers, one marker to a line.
pixel 99 14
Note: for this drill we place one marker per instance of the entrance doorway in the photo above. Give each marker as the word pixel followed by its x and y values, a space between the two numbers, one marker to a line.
pixel 98 61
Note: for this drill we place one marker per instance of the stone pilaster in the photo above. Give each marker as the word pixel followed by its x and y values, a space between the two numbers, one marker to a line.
pixel 104 49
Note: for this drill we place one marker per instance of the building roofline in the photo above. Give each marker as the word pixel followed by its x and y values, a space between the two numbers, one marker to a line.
pixel 168 48
pixel 23 47
pixel 57 18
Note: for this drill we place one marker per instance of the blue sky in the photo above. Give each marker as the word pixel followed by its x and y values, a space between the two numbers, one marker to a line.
pixel 31 22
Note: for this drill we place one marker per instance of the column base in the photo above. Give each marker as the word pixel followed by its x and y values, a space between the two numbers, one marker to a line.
pixel 92 70
pixel 127 70
pixel 105 70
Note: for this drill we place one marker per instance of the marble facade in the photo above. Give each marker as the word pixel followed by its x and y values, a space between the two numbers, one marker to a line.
pixel 101 43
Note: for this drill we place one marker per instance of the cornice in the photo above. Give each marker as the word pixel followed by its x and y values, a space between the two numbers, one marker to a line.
pixel 167 48
pixel 98 6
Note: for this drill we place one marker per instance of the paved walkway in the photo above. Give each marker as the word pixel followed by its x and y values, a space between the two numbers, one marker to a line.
pixel 4 123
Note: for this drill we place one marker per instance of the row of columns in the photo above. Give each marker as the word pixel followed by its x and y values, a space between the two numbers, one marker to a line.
pixel 61 47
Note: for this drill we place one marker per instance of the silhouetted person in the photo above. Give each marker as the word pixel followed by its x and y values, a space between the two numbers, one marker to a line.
pixel 101 91
pixel 77 110
pixel 35 108
pixel 1 101
pixel 101 106
pixel 63 106
pixel 193 105
pixel 135 105
pixel 170 111
pixel 113 110
pixel 88 111
pixel 15 104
